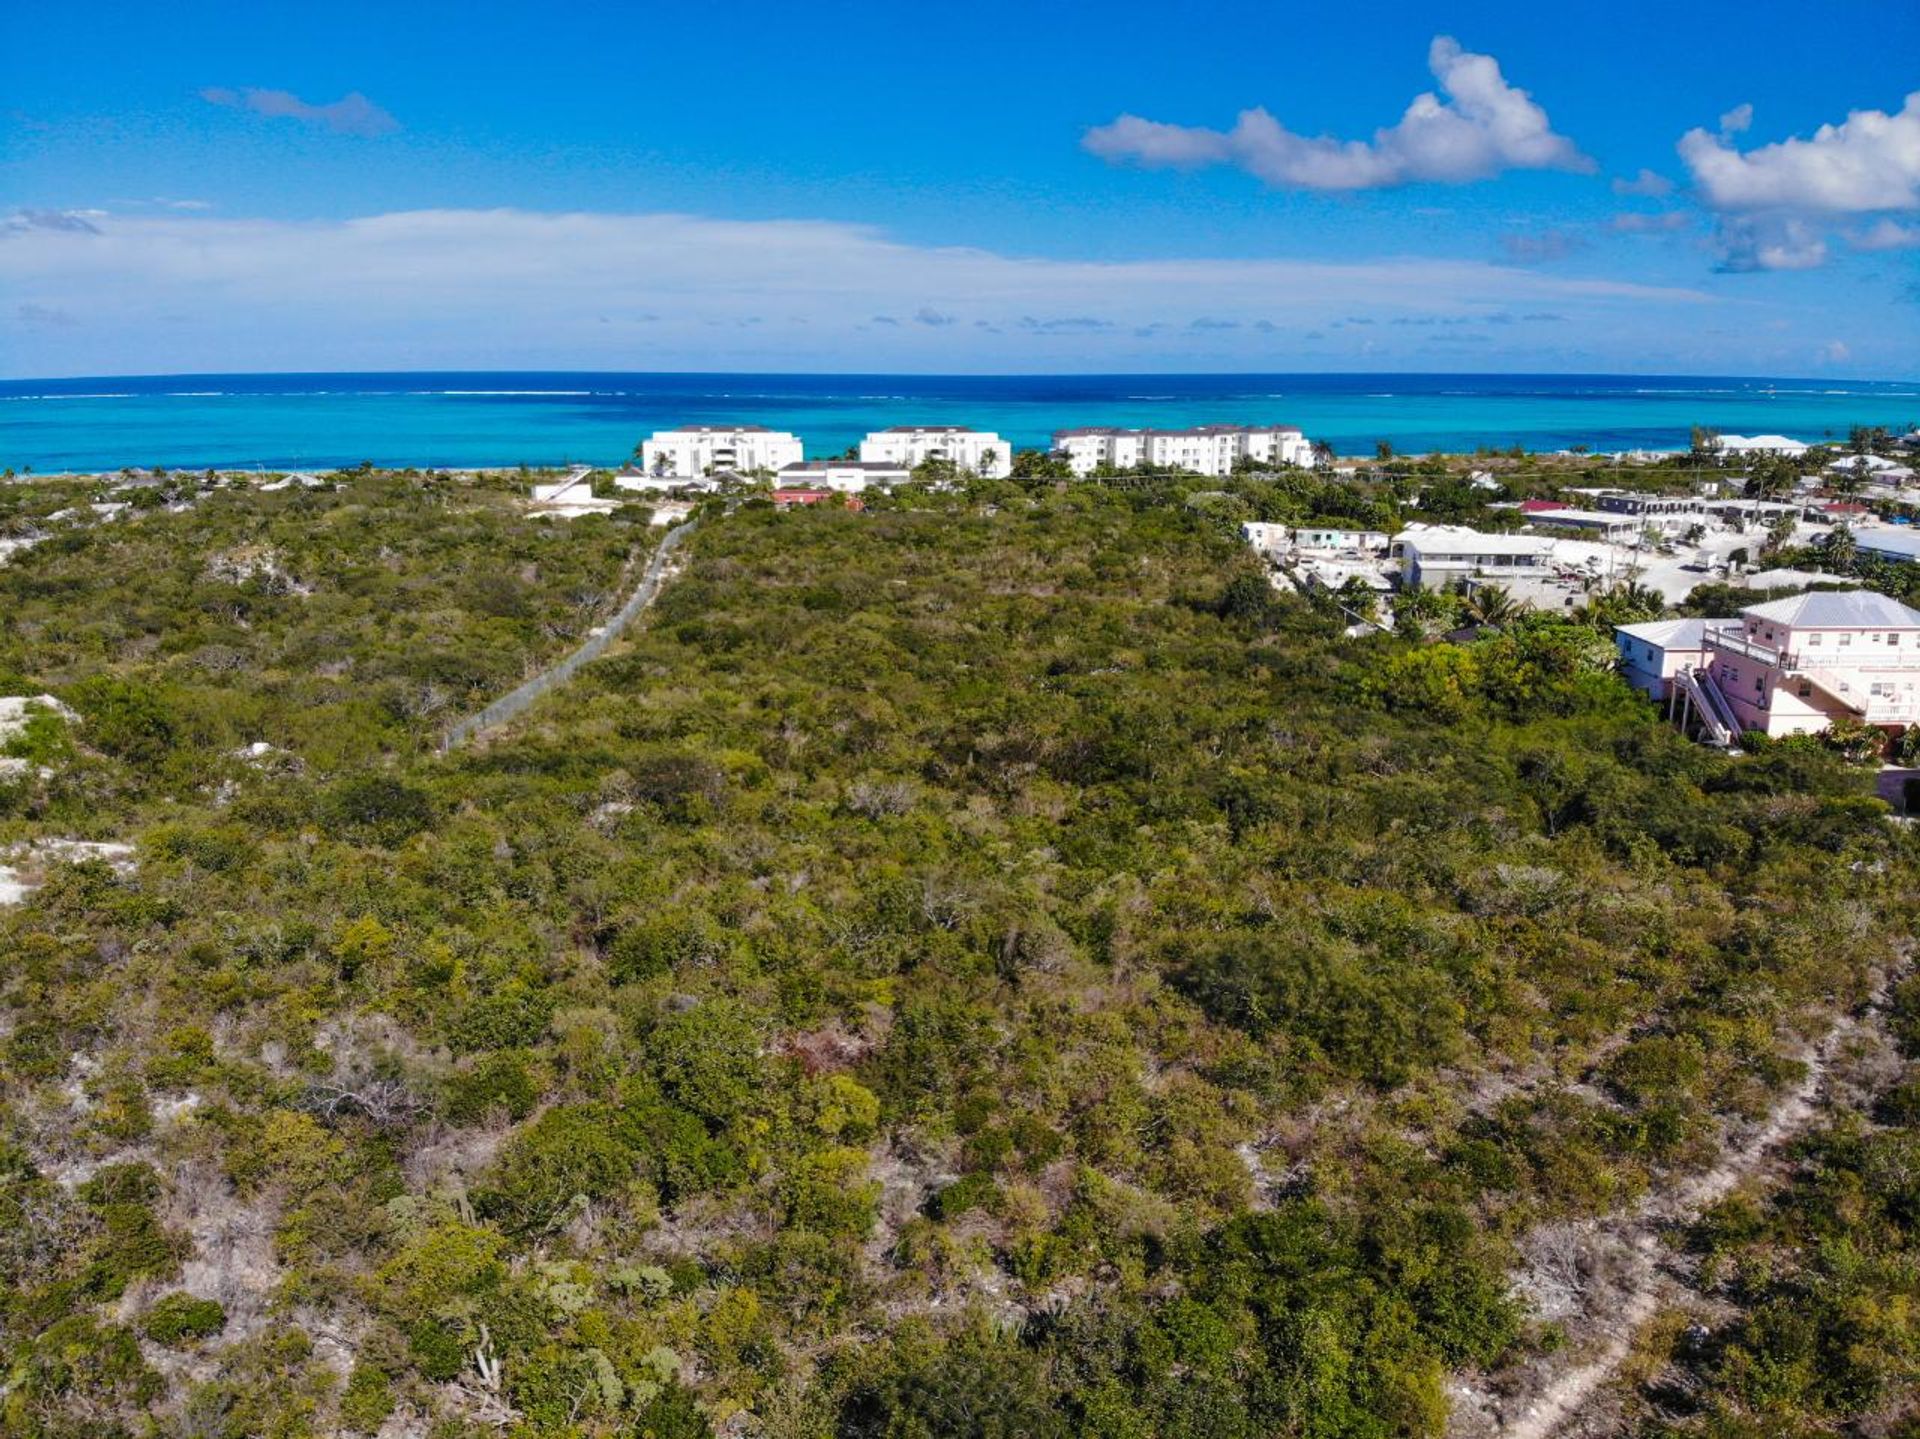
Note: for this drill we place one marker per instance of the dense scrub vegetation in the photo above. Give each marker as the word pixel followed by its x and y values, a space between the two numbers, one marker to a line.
pixel 338 625
pixel 983 966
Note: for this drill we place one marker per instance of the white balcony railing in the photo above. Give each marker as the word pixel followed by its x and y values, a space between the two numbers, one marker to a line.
pixel 1863 654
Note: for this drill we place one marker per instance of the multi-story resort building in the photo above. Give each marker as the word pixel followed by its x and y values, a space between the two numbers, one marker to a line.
pixel 1203 450
pixel 694 451
pixel 1785 667
pixel 982 452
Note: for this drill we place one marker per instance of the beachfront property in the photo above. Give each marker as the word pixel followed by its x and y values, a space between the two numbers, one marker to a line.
pixel 1760 445
pixel 981 452
pixel 693 452
pixel 1786 667
pixel 1204 450
pixel 847 476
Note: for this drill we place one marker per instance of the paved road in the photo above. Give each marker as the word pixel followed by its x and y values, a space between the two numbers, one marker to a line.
pixel 512 705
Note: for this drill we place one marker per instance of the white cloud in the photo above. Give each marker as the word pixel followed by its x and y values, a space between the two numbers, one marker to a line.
pixel 1647 182
pixel 1835 352
pixel 1886 235
pixel 1769 242
pixel 1483 127
pixel 1737 120
pixel 351 114
pixel 1870 161
pixel 509 288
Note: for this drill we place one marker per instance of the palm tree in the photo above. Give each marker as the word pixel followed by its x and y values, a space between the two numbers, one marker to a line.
pixel 1624 604
pixel 1494 606
pixel 1771 476
pixel 1848 480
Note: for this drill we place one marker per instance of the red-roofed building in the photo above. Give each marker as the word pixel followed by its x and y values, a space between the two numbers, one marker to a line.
pixel 787 499
pixel 1540 507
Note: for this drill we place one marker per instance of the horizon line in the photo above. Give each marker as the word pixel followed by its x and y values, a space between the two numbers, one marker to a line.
pixel 989 374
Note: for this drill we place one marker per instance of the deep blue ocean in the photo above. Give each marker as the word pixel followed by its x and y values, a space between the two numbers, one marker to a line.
pixel 552 417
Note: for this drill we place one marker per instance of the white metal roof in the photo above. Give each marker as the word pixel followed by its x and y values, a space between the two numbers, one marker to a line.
pixel 1902 541
pixel 1570 516
pixel 1838 609
pixel 1670 634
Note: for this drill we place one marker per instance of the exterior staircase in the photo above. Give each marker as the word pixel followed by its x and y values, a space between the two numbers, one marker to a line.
pixel 1716 716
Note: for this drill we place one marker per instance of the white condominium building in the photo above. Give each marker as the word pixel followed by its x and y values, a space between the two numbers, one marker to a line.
pixel 1204 450
pixel 694 451
pixel 981 451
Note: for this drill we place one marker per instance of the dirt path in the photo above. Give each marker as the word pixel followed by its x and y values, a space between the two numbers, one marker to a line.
pixel 1627 1250
pixel 512 704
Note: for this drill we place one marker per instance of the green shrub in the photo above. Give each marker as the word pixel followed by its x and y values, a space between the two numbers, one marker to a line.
pixel 571 1151
pixel 972 1191
pixel 124 718
pixel 375 809
pixel 179 1319
pixel 500 1080
pixel 512 1017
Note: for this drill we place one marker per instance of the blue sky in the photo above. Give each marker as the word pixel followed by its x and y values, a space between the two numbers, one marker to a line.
pixel 995 187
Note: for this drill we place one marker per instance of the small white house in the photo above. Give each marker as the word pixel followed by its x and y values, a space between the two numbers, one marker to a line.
pixel 1331 541
pixel 696 451
pixel 982 452
pixel 849 477
pixel 572 496
pixel 633 478
pixel 1267 538
pixel 1651 654
pixel 1864 464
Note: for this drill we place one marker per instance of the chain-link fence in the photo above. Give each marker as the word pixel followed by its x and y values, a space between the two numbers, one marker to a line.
pixel 512 705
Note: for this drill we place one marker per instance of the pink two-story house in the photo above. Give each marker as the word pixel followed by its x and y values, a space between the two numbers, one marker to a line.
pixel 1793 666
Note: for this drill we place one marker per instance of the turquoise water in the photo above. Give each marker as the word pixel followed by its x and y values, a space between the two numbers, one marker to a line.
pixel 550 418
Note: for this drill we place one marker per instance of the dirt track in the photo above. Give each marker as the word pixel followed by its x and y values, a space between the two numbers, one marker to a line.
pixel 1629 1250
